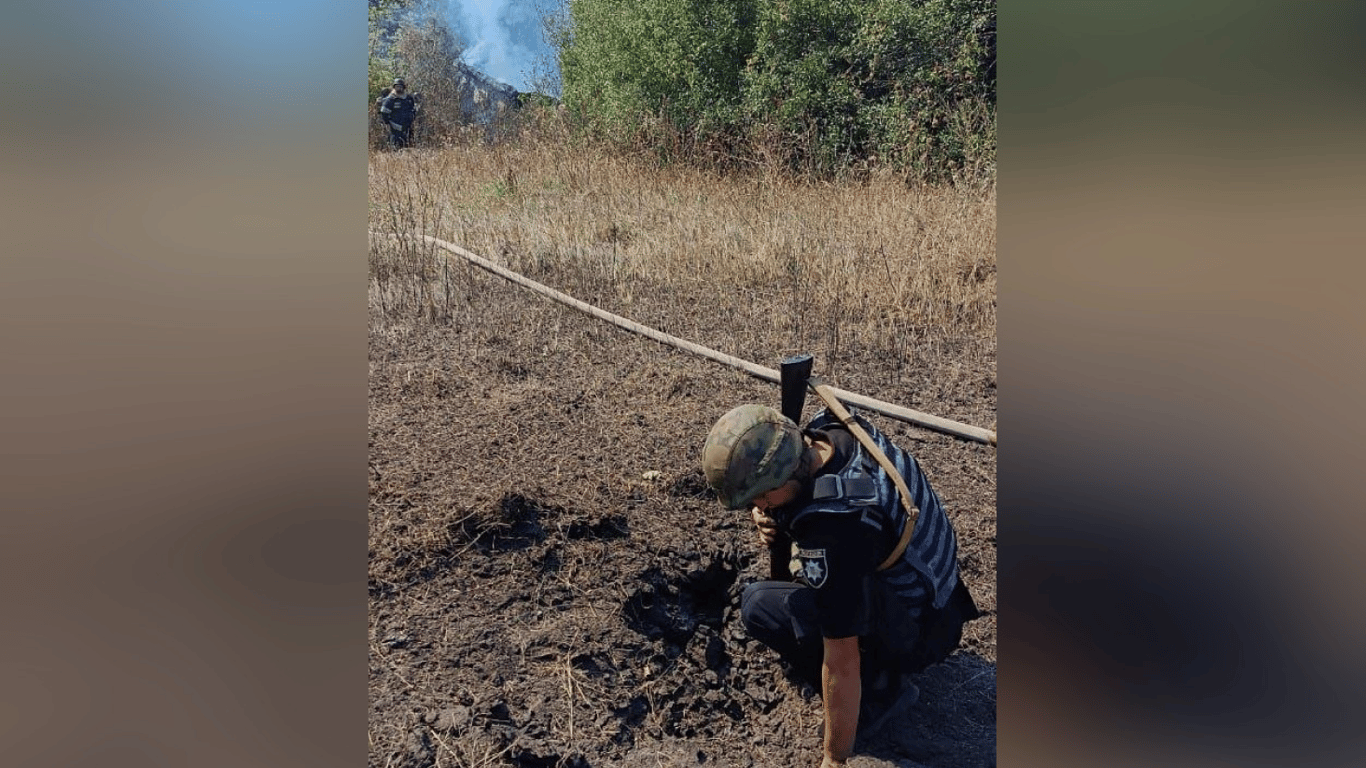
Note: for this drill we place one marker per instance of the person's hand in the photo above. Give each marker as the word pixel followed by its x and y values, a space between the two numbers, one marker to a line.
pixel 396 126
pixel 768 527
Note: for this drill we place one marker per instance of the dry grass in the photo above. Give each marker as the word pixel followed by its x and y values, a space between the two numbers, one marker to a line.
pixel 756 266
pixel 892 288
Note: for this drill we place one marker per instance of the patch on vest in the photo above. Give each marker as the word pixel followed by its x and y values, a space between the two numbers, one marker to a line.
pixel 809 565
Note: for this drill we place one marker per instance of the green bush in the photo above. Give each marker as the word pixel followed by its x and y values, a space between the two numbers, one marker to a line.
pixel 818 86
pixel 627 62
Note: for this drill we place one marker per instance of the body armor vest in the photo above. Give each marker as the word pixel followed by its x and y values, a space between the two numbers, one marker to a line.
pixel 927 571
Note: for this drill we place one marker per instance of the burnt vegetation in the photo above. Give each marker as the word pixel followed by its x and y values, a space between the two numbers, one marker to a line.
pixel 539 596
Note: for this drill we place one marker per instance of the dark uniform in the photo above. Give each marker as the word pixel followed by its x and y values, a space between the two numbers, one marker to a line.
pixel 848 521
pixel 396 110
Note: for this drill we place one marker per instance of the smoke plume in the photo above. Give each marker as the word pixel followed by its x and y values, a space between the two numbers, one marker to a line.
pixel 503 38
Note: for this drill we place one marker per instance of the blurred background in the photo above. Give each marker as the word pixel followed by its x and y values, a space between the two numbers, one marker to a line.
pixel 184 387
pixel 1180 252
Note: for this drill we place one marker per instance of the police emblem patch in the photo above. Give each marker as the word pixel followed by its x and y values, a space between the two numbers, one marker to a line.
pixel 811 567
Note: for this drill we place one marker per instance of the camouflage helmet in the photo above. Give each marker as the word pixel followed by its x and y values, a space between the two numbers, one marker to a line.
pixel 399 81
pixel 749 451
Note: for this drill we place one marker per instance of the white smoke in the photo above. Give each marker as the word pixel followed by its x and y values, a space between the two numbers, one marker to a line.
pixel 502 38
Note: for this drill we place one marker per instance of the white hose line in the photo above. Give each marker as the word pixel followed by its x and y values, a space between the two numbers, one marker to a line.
pixel 946 426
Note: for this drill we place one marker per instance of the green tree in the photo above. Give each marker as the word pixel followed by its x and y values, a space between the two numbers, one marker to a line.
pixel 817 85
pixel 910 85
pixel 626 61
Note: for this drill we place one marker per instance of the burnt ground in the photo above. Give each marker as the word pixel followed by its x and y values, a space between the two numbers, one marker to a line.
pixel 551 583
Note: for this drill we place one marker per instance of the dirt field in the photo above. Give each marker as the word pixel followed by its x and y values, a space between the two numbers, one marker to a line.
pixel 551 583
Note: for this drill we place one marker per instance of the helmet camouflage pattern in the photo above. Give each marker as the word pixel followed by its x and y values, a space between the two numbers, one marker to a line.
pixel 749 451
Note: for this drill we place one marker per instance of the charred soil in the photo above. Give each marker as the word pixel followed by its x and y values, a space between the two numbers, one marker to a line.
pixel 551 584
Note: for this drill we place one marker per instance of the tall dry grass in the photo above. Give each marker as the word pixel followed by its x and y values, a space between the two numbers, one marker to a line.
pixel 756 265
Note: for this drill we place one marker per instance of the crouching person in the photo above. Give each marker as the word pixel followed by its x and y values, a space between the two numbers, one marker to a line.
pixel 873 599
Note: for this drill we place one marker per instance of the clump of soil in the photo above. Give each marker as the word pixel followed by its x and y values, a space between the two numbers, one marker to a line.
pixel 551 584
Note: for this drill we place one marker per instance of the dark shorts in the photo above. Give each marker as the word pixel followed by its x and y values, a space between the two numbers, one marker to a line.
pixel 783 616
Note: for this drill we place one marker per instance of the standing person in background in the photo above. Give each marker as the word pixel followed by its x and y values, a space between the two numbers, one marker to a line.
pixel 398 110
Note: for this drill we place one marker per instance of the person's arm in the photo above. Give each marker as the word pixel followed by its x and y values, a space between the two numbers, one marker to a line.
pixel 386 111
pixel 842 690
pixel 838 556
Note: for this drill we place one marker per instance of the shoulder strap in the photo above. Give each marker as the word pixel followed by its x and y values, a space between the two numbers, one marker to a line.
pixel 912 514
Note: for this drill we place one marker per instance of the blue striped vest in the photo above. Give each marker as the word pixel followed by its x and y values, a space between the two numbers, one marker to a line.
pixel 927 571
